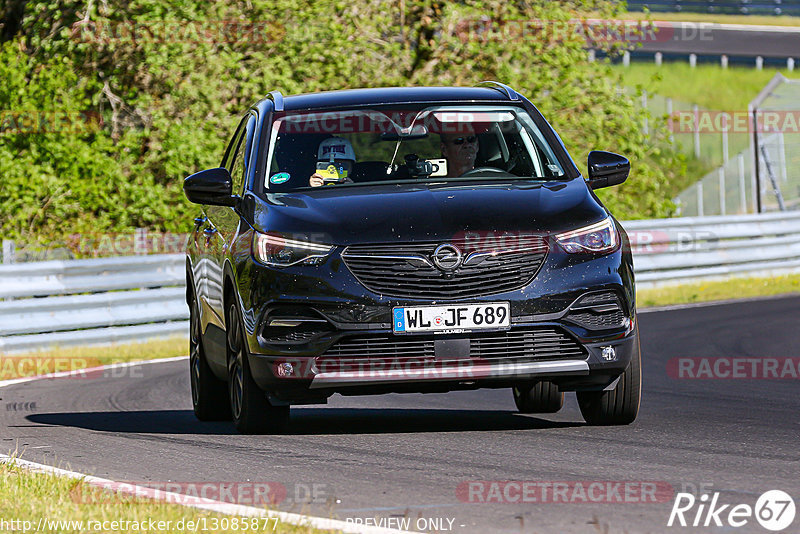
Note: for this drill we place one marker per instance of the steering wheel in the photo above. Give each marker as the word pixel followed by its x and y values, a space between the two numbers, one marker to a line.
pixel 479 171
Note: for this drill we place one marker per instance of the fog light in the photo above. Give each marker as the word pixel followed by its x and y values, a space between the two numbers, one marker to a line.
pixel 609 354
pixel 285 369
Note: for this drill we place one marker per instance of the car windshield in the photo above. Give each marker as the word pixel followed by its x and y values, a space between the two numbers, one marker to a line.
pixel 381 145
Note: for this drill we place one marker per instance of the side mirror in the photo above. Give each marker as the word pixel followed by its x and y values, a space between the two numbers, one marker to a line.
pixel 607 169
pixel 212 187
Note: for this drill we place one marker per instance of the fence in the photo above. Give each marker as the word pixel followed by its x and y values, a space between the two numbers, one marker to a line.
pixel 712 146
pixel 764 175
pixel 85 302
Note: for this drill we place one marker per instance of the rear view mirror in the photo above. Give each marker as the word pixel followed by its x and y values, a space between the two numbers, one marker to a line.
pixel 607 169
pixel 212 187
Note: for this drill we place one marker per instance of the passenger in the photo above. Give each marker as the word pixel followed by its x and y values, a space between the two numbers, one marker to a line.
pixel 336 152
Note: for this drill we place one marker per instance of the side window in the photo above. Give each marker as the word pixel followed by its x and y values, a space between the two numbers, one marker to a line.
pixel 230 152
pixel 237 167
pixel 247 151
pixel 241 156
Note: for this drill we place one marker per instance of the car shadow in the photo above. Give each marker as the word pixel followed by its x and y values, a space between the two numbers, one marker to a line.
pixel 309 421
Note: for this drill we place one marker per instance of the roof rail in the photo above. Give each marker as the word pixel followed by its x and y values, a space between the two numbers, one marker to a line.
pixel 277 100
pixel 503 88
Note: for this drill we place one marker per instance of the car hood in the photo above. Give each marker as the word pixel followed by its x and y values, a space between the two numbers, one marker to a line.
pixel 417 212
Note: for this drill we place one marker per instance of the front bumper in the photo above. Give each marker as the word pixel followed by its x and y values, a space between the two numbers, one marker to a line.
pixel 331 299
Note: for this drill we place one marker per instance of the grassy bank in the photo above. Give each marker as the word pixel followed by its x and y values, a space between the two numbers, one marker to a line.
pixel 709 86
pixel 67 505
pixel 756 20
pixel 737 288
pixel 67 359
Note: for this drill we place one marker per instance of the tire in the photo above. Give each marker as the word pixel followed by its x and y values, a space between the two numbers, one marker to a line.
pixel 209 393
pixel 618 406
pixel 251 411
pixel 538 397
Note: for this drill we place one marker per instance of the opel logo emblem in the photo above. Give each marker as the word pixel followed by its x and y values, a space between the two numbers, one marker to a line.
pixel 447 257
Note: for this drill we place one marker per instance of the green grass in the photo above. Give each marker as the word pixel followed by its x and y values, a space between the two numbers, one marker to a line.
pixel 759 20
pixel 27 496
pixel 63 359
pixel 736 288
pixel 709 86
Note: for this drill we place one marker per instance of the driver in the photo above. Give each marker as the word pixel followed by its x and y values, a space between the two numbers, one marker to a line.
pixel 336 152
pixel 460 150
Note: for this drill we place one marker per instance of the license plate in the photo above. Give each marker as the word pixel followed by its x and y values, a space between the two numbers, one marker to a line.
pixel 455 318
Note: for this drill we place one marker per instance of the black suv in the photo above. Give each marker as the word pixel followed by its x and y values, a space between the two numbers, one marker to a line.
pixel 421 239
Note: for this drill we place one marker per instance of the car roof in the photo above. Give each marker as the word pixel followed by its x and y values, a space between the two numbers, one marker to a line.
pixel 395 95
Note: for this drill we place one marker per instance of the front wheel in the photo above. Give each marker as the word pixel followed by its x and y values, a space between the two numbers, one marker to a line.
pixel 618 406
pixel 251 410
pixel 209 394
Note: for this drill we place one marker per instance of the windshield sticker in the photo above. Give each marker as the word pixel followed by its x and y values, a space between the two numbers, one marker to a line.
pixel 279 178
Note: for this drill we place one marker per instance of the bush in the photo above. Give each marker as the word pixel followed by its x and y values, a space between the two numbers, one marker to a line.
pixel 169 104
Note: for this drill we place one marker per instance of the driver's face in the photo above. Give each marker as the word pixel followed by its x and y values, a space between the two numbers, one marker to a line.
pixel 460 149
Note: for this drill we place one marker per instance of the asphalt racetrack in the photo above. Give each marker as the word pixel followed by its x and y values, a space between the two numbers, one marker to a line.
pixel 437 456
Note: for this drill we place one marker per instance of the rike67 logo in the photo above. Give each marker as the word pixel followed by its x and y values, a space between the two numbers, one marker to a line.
pixel 774 510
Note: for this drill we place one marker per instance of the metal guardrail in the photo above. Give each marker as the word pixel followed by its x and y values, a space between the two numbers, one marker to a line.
pixel 673 251
pixel 741 7
pixel 86 302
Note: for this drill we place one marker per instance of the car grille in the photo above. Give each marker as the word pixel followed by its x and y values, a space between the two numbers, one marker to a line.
pixel 598 320
pixel 522 344
pixel 406 269
pixel 597 311
pixel 293 337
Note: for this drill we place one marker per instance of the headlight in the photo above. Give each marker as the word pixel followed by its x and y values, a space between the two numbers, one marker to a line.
pixel 277 251
pixel 597 238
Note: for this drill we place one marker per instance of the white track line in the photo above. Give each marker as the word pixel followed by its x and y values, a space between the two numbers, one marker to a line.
pixel 183 500
pixel 80 372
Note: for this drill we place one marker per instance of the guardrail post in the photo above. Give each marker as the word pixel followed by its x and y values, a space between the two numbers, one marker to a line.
pixel 693 60
pixel 626 58
pixel 659 58
pixel 759 63
pixel 790 64
pixel 9 251
pixel 722 190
